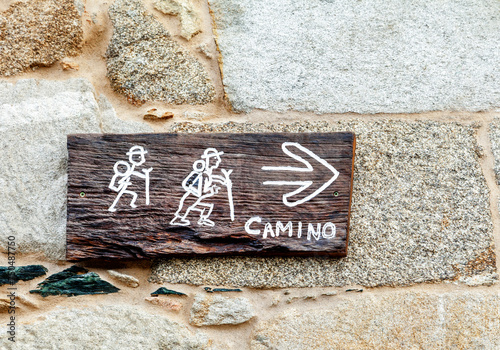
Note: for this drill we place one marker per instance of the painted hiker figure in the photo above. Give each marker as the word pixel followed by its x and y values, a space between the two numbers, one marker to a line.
pixel 124 172
pixel 200 185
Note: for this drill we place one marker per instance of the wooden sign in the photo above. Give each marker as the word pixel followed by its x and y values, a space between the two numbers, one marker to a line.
pixel 153 195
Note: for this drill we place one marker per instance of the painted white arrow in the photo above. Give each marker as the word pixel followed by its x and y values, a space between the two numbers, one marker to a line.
pixel 308 168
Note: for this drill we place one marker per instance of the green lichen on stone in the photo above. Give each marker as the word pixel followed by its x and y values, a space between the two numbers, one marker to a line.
pixel 165 291
pixel 74 281
pixel 69 272
pixel 217 290
pixel 10 275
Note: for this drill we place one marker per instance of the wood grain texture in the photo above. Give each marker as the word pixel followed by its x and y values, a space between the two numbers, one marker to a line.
pixel 147 232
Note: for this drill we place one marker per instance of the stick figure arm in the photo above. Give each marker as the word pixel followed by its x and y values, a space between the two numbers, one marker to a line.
pixel 143 175
pixel 219 179
pixel 112 184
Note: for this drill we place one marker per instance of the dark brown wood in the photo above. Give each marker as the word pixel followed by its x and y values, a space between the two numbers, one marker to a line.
pixel 257 161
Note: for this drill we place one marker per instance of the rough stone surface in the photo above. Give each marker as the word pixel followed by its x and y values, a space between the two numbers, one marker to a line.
pixel 38 33
pixel 190 20
pixel 420 213
pixel 105 328
pixel 495 145
pixel 146 64
pixel 111 124
pixel 27 302
pixel 12 274
pixel 73 281
pixel 165 303
pixel 35 117
pixel 128 280
pixel 4 305
pixel 366 56
pixel 391 321
pixel 166 291
pixel 214 310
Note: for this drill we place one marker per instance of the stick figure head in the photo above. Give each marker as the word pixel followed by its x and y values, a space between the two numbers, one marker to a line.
pixel 199 166
pixel 212 158
pixel 121 165
pixel 136 155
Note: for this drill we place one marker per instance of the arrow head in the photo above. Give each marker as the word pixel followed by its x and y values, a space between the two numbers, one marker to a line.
pixel 302 185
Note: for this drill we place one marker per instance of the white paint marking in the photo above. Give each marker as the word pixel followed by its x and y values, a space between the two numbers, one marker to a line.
pixel 332 227
pixel 317 230
pixel 280 227
pixel 302 184
pixel 268 229
pixel 316 233
pixel 125 176
pixel 200 185
pixel 249 222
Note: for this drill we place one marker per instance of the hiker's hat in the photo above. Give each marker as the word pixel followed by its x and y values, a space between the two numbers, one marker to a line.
pixel 211 152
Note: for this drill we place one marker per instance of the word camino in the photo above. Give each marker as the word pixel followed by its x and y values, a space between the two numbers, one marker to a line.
pixel 326 231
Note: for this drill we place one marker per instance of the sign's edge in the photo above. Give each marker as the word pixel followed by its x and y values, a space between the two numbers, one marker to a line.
pixel 260 254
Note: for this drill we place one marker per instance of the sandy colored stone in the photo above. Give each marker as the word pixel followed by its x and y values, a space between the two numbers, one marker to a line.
pixel 4 305
pixel 38 33
pixel 128 280
pixel 398 320
pixel 145 64
pixel 165 303
pixel 35 118
pixel 153 115
pixel 420 213
pixel 380 56
pixel 215 310
pixel 195 115
pixel 189 18
pixel 205 49
pixel 27 301
pixel 110 327
pixel 67 64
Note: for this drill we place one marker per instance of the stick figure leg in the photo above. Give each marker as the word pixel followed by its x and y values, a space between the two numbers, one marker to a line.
pixel 112 207
pixel 186 204
pixel 134 197
pixel 118 196
pixel 206 210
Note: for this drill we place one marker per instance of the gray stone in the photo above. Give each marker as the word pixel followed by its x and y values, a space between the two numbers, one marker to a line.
pixel 38 33
pixel 35 117
pixel 110 124
pixel 396 320
pixel 189 18
pixel 495 145
pixel 146 64
pixel 336 56
pixel 108 327
pixel 80 6
pixel 214 310
pixel 128 280
pixel 420 213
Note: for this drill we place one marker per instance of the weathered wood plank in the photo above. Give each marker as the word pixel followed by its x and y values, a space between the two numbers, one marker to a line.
pixel 233 201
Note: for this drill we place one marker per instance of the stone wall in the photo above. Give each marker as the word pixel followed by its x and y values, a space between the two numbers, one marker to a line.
pixel 419 84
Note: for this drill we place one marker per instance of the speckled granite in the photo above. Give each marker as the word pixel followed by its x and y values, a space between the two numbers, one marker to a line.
pixel 146 64
pixel 494 132
pixel 38 33
pixel 420 213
